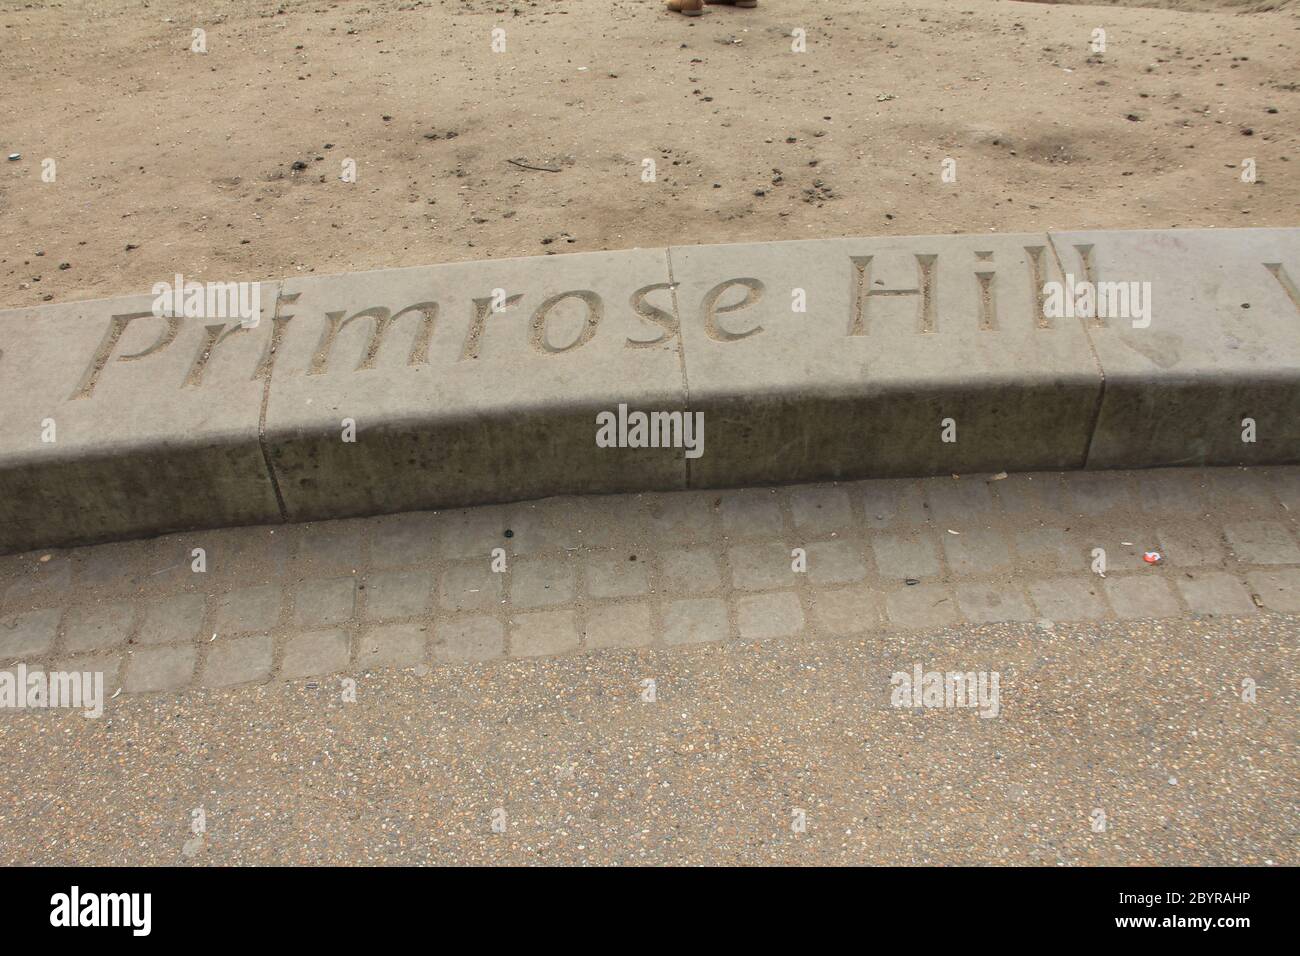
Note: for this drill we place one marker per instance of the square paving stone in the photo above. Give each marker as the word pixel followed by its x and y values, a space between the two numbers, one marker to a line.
pixel 398 541
pixel 229 556
pixel 695 621
pixel 1279 590
pixel 462 639
pixel 902 556
pixel 1069 599
pixel 613 574
pixel 330 601
pixel 752 513
pixel 1137 597
pixel 110 665
pixel 922 605
pixel 539 527
pixel 329 545
pixel 562 523
pixel 36 580
pixel 893 503
pixel 474 533
pixel 1262 542
pixel 112 567
pixel 1215 593
pixel 844 611
pixel 1190 546
pixel 1024 496
pixel 173 620
pixel 977 551
pixel 1238 490
pixel 837 562
pixel 314 653
pixel 248 609
pixel 1051 549
pixel 394 594
pixel 691 571
pixel 238 660
pixel 960 503
pixel 1161 491
pixel 160 668
pixel 992 603
pixel 1097 494
pixel 761 565
pixel 619 625
pixel 1285 484
pixel 392 645
pixel 821 509
pixel 542 582
pixel 97 628
pixel 682 517
pixel 470 586
pixel 760 617
pixel 1127 557
pixel 525 529
pixel 172 564
pixel 543 632
pixel 30 634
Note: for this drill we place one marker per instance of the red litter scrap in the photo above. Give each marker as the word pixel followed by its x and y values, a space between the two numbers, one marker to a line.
pixel 1151 557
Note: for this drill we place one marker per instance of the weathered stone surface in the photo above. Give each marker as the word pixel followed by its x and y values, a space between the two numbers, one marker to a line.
pixel 154 427
pixel 1035 562
pixel 1223 344
pixel 239 660
pixel 899 334
pixel 162 424
pixel 455 404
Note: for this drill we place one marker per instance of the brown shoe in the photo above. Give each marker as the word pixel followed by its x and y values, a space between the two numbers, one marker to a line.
pixel 692 8
pixel 734 3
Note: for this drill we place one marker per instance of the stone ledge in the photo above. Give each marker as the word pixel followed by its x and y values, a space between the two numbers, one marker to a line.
pixel 151 429
pixel 1223 345
pixel 479 382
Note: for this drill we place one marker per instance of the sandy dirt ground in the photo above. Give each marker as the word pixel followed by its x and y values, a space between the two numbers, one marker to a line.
pixel 227 165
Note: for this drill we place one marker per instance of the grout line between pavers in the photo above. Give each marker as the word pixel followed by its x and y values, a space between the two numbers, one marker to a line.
pixel 877 628
pixel 1094 528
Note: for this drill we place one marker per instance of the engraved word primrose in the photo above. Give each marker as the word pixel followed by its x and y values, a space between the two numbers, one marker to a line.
pixel 725 313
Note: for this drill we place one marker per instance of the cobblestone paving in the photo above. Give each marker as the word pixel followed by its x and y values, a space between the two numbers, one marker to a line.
pixel 689 706
pixel 572 575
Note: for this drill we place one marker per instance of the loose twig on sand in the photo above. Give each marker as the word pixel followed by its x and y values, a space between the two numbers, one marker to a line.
pixel 540 169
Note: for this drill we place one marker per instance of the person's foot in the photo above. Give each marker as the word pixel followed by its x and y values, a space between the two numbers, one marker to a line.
pixel 692 8
pixel 734 3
